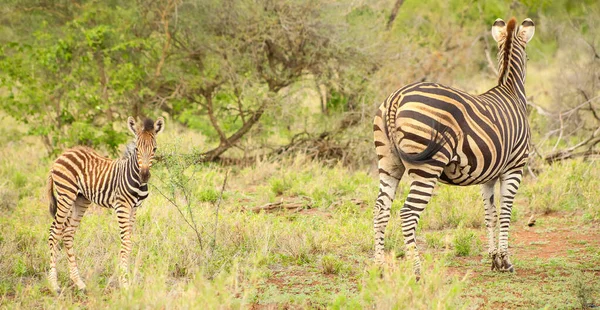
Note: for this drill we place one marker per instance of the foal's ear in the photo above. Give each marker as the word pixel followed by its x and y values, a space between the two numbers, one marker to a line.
pixel 498 30
pixel 526 30
pixel 159 125
pixel 131 125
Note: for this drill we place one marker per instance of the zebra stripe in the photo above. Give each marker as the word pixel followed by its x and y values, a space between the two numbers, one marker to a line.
pixel 80 177
pixel 436 133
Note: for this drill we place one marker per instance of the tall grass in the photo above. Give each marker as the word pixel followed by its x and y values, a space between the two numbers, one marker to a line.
pixel 317 257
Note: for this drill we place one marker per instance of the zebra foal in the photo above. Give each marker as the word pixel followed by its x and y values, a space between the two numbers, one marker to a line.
pixel 80 177
pixel 436 133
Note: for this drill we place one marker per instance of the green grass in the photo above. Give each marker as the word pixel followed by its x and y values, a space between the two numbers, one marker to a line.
pixel 318 257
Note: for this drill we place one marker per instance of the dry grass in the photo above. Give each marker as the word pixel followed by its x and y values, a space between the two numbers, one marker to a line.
pixel 319 256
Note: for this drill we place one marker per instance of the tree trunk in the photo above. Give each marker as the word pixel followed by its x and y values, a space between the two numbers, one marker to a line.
pixel 395 10
pixel 226 144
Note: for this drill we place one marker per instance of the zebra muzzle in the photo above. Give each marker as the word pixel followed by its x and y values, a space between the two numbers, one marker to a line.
pixel 144 175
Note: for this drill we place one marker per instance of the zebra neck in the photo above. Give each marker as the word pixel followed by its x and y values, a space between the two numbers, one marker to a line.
pixel 133 167
pixel 512 71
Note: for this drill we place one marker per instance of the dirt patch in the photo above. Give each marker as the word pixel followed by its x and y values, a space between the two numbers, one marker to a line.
pixel 545 244
pixel 532 243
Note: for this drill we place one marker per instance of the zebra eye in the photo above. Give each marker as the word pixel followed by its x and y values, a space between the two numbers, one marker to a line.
pixel 154 150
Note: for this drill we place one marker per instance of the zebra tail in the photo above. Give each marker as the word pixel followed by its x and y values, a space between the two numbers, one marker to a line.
pixel 435 144
pixel 51 199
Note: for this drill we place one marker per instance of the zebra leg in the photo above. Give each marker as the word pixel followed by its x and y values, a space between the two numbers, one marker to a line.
pixel 509 184
pixel 418 197
pixel 64 203
pixel 124 218
pixel 391 170
pixel 77 212
pixel 381 215
pixel 491 219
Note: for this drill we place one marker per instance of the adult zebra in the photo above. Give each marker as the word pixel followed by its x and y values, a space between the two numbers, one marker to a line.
pixel 437 133
pixel 80 176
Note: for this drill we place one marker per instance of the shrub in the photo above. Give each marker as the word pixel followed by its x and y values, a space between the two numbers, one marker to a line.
pixel 465 242
pixel 279 186
pixel 582 289
pixel 331 265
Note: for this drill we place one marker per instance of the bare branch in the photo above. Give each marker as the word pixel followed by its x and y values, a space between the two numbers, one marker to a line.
pixel 587 99
pixel 192 226
pixel 214 242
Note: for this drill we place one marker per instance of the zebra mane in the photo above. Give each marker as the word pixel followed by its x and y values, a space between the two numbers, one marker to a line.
pixel 148 125
pixel 129 149
pixel 506 49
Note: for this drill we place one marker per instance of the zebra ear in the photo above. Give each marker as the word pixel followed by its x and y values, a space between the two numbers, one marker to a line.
pixel 159 125
pixel 526 30
pixel 131 125
pixel 498 30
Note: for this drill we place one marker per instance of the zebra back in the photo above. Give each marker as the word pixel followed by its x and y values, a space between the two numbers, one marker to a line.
pixel 478 136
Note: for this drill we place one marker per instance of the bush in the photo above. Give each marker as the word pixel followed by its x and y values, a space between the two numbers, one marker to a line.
pixel 581 288
pixel 465 242
pixel 279 186
pixel 331 265
pixel 208 195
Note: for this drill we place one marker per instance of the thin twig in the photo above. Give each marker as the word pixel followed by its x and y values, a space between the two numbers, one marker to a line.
pixel 182 215
pixel 560 134
pixel 214 242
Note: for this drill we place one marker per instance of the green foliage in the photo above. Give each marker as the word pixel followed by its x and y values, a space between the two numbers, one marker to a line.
pixel 565 186
pixel 279 185
pixel 434 240
pixel 68 80
pixel 208 195
pixel 434 293
pixel 331 265
pixel 73 72
pixel 465 242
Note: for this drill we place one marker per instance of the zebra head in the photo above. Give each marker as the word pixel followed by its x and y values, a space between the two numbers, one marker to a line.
pixel 500 30
pixel 145 143
pixel 512 40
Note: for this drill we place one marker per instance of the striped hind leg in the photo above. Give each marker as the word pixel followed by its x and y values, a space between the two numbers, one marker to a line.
pixel 391 170
pixel 388 182
pixel 418 197
pixel 509 185
pixel 491 220
pixel 64 202
pixel 80 206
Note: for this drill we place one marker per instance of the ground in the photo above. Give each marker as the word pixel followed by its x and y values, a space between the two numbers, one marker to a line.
pixel 294 234
pixel 551 257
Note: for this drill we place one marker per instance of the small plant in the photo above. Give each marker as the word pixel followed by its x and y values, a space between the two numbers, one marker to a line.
pixel 463 242
pixel 208 195
pixel 434 240
pixel 331 265
pixel 581 288
pixel 279 186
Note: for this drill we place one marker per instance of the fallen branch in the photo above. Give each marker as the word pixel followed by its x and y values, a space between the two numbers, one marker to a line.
pixel 294 206
pixel 356 201
pixel 550 159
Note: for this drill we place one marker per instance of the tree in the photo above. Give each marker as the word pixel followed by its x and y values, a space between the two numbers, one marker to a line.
pixel 83 67
pixel 236 57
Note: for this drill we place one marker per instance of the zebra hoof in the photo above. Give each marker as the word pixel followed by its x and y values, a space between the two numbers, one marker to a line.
pixel 496 263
